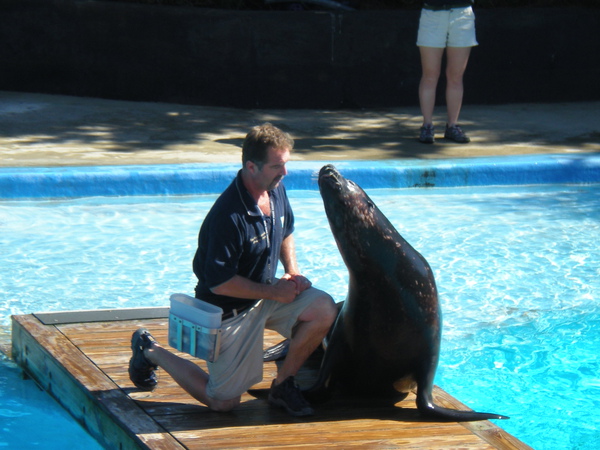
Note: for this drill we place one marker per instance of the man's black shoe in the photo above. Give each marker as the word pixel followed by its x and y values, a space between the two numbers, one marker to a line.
pixel 141 371
pixel 287 395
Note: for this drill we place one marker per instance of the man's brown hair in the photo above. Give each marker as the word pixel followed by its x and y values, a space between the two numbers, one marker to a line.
pixel 260 139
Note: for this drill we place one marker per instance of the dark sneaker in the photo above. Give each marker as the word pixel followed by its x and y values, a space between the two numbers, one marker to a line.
pixel 427 134
pixel 288 396
pixel 456 134
pixel 141 371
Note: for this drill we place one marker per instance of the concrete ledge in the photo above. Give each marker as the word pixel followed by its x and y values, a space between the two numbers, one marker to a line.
pixel 23 183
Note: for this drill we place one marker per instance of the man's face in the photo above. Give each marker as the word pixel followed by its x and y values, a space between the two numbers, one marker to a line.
pixel 274 169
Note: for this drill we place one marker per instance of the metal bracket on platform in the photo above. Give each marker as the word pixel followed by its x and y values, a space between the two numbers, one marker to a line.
pixel 101 315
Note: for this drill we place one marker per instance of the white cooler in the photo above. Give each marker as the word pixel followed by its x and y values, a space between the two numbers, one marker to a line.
pixel 195 327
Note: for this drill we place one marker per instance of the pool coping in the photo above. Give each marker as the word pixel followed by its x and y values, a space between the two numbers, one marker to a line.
pixel 212 178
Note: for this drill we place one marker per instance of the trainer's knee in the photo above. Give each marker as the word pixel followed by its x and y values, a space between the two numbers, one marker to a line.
pixel 224 405
pixel 328 310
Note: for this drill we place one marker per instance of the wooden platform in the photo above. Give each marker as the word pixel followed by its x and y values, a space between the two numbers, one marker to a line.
pixel 82 358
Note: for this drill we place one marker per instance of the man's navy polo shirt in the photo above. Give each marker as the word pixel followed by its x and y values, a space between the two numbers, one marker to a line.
pixel 233 241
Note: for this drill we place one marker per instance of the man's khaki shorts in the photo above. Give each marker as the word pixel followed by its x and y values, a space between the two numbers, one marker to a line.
pixel 240 362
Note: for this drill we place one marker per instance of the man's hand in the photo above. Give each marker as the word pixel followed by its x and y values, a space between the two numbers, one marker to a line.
pixel 285 290
pixel 289 286
pixel 302 283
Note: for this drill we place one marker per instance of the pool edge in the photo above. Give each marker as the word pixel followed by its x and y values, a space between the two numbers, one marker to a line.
pixel 205 178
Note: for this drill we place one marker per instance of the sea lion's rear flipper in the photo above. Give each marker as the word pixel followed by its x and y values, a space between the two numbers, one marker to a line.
pixel 429 409
pixel 277 352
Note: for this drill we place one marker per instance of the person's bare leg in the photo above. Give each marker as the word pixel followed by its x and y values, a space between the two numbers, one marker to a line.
pixel 189 376
pixel 431 64
pixel 456 64
pixel 313 325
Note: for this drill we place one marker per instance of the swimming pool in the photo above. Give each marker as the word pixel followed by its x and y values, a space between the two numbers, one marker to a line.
pixel 30 418
pixel 517 269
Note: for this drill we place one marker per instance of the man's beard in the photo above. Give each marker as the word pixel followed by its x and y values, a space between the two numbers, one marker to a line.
pixel 275 183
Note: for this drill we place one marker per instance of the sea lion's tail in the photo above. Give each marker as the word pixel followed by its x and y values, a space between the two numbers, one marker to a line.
pixel 429 409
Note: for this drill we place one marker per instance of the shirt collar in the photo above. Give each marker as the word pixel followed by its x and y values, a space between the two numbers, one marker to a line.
pixel 250 205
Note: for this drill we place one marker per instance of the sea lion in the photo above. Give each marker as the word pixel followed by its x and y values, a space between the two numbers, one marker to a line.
pixel 386 339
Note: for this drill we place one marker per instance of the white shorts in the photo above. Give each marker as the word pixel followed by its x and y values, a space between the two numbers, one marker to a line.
pixel 240 362
pixel 447 28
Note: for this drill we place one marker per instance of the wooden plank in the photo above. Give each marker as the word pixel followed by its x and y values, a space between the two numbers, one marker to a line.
pixel 177 419
pixel 109 415
pixel 340 430
pixel 175 407
pixel 336 423
pixel 485 429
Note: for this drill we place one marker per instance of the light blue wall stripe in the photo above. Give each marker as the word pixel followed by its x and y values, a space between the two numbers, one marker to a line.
pixel 213 178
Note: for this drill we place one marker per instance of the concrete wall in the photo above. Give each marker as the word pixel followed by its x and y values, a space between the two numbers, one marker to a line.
pixel 285 59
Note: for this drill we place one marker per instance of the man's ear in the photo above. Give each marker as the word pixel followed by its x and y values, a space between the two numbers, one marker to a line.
pixel 250 166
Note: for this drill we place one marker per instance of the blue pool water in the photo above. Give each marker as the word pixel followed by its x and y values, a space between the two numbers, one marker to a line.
pixel 30 418
pixel 517 268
